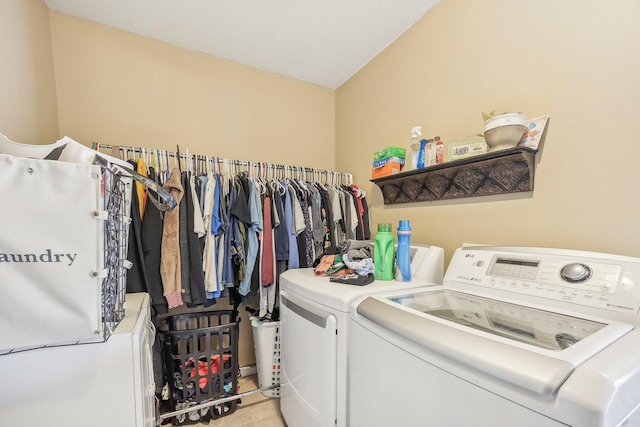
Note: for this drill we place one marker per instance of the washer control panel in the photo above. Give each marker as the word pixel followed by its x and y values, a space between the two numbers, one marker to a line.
pixel 569 276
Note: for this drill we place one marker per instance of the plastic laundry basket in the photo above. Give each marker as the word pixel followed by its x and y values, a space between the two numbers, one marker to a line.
pixel 201 363
pixel 266 342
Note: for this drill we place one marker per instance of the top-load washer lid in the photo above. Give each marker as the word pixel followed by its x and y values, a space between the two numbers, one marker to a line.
pixel 334 295
pixel 532 348
pixel 540 328
pixel 427 265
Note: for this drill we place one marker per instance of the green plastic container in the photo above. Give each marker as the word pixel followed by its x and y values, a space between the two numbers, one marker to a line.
pixel 384 253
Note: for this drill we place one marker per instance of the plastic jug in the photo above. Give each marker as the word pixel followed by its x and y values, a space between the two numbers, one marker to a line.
pixel 383 253
pixel 403 272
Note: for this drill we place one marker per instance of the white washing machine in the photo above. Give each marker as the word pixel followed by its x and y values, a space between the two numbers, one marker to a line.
pixel 314 321
pixel 515 336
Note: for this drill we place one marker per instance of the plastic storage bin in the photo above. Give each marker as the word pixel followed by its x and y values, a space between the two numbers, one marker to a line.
pixel 266 342
pixel 201 363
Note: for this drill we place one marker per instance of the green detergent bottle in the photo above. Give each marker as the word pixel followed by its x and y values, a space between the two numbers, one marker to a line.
pixel 384 253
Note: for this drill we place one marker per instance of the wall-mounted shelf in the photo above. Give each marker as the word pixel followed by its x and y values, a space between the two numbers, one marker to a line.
pixel 499 172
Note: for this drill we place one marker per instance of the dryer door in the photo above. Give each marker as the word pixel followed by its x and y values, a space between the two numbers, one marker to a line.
pixel 308 354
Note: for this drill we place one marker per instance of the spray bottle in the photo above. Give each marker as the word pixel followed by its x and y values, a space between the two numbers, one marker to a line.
pixel 416 133
pixel 403 270
pixel 418 148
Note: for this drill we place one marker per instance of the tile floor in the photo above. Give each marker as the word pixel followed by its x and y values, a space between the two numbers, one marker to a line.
pixel 255 410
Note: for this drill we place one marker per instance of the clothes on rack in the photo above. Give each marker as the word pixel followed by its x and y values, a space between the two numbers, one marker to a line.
pixel 234 229
pixel 170 254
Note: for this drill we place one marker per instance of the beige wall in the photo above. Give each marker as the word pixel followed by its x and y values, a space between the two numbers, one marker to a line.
pixel 577 61
pixel 118 88
pixel 28 110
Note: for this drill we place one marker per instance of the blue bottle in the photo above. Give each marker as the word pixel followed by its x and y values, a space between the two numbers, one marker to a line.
pixel 403 272
pixel 422 155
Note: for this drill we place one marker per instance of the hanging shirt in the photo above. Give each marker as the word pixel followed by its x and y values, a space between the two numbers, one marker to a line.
pixel 305 236
pixel 240 210
pixel 359 211
pixel 327 217
pixel 232 247
pixel 198 222
pixel 170 251
pixel 223 234
pixel 365 217
pixel 349 212
pixel 141 189
pixel 316 219
pixel 137 280
pixel 151 247
pixel 209 258
pixel 252 238
pixel 195 283
pixel 281 233
pixel 204 180
pixel 294 262
pixel 268 250
pixel 336 214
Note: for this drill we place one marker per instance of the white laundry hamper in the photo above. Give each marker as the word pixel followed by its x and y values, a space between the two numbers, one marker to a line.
pixel 266 342
pixel 63 247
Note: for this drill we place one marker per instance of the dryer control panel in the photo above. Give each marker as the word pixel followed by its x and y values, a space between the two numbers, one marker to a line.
pixel 572 277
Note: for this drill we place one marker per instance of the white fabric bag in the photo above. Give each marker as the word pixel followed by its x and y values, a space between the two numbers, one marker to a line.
pixel 51 261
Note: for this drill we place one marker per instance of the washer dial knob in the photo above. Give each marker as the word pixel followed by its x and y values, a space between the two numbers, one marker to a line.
pixel 575 273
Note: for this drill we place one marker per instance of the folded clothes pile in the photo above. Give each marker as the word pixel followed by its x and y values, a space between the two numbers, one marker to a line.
pixel 351 263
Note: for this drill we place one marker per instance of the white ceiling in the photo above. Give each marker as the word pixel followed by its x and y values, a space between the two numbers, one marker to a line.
pixel 323 42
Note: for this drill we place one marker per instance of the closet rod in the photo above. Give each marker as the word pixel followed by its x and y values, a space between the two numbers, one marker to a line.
pixel 219 159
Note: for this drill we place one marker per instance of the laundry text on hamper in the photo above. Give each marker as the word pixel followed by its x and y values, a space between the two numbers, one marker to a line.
pixel 47 256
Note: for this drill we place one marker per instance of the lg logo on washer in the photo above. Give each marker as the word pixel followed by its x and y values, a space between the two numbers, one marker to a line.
pixel 48 256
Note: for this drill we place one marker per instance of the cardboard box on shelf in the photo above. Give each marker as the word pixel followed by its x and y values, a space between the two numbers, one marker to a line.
pixel 390 168
pixel 382 162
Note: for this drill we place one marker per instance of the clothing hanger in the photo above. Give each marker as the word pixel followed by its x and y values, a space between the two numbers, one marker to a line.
pixel 226 175
pixel 193 166
pixel 276 177
pixel 271 170
pixel 159 158
pixel 144 154
pixel 208 165
pixel 167 203
pixel 203 164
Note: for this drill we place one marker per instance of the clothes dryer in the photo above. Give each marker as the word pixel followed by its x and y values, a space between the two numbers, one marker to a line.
pixel 105 384
pixel 314 328
pixel 526 337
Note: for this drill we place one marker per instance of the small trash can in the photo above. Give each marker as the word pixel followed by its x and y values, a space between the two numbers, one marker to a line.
pixel 266 342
